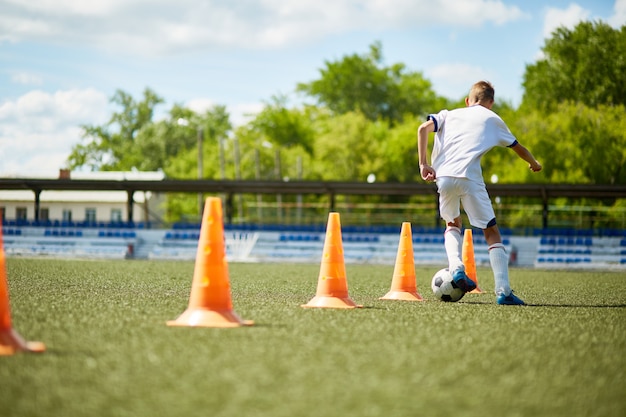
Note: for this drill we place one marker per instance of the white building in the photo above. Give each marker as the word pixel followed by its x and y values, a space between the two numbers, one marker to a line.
pixel 87 207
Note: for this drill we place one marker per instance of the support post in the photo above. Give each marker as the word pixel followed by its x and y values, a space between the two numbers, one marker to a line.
pixel 37 205
pixel 129 205
pixel 200 170
pixel 544 214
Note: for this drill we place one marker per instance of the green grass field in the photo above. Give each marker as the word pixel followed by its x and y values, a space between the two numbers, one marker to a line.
pixel 110 353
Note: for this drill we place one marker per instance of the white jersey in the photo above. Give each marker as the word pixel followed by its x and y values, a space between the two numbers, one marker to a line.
pixel 463 136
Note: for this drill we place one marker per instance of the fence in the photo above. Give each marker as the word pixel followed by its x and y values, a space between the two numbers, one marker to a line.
pixel 517 205
pixel 520 217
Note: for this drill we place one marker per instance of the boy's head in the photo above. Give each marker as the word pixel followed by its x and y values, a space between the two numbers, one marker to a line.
pixel 481 93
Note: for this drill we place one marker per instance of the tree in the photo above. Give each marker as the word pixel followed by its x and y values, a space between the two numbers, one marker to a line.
pixel 347 147
pixel 177 142
pixel 576 144
pixel 177 137
pixel 398 154
pixel 132 140
pixel 110 145
pixel 360 83
pixel 283 126
pixel 586 64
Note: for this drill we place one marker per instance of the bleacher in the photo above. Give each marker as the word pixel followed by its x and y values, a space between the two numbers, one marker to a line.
pixel 69 242
pixel 581 248
pixel 360 245
pixel 179 244
pixel 551 248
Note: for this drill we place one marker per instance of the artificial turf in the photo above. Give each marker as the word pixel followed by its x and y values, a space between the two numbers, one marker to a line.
pixel 110 352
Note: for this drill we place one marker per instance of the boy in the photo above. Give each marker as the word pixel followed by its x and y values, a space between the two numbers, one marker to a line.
pixel 462 137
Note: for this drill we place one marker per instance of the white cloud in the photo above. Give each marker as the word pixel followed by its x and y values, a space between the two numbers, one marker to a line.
pixel 619 17
pixel 164 27
pixel 453 80
pixel 568 18
pixel 474 13
pixel 38 130
pixel 26 78
pixel 200 105
pixel 242 113
pixel 70 7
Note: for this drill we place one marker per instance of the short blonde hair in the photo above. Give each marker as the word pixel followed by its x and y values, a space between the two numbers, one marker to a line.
pixel 482 92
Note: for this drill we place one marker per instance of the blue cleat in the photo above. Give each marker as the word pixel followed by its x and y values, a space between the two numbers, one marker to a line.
pixel 509 300
pixel 462 281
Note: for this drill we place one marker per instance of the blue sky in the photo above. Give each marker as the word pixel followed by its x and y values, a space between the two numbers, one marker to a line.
pixel 62 60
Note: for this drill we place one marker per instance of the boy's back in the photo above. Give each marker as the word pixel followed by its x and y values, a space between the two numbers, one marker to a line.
pixel 463 136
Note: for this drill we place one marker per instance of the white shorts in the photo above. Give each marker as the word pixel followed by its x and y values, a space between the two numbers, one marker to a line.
pixel 476 202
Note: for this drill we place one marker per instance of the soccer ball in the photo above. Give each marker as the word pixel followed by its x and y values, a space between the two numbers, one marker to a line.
pixel 444 287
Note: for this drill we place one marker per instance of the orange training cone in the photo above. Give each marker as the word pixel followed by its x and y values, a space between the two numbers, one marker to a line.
pixel 403 284
pixel 210 303
pixel 10 341
pixel 332 285
pixel 468 259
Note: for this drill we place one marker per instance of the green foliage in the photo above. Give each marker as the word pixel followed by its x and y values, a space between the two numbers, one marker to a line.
pixel 108 146
pixel 586 64
pixel 284 127
pixel 398 155
pixel 132 140
pixel 360 83
pixel 576 144
pixel 179 141
pixel 347 147
pixel 278 144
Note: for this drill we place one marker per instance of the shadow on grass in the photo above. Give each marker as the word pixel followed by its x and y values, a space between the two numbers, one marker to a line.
pixel 578 305
pixel 552 305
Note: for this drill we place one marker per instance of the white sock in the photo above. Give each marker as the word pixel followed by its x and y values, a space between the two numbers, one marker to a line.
pixel 453 242
pixel 500 266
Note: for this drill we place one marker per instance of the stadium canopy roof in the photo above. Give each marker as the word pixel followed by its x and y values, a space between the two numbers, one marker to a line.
pixel 541 191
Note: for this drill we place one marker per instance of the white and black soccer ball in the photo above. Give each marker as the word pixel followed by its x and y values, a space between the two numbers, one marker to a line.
pixel 444 287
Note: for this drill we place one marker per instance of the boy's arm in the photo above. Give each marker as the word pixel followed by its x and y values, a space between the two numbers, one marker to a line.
pixel 426 171
pixel 525 154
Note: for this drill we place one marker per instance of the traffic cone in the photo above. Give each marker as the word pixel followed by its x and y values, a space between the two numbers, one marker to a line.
pixel 10 341
pixel 332 285
pixel 468 259
pixel 210 303
pixel 403 284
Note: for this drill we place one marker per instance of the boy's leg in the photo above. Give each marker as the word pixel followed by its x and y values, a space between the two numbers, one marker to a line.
pixel 499 260
pixel 500 265
pixel 450 192
pixel 453 243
